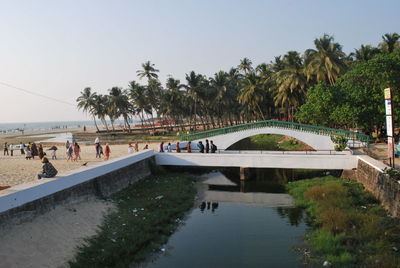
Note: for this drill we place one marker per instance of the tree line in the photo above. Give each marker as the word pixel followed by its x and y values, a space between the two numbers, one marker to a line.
pixel 322 86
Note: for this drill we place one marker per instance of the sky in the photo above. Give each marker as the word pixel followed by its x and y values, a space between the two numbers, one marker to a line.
pixel 57 48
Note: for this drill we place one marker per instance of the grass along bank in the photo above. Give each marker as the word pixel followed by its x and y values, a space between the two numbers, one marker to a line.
pixel 349 227
pixel 147 214
pixel 270 142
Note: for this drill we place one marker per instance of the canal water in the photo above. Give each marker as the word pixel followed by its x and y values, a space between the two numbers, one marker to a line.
pixel 240 224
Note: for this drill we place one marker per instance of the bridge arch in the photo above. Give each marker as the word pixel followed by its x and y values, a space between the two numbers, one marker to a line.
pixel 317 142
pixel 317 137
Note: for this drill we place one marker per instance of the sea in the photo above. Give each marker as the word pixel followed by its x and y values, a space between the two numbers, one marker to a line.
pixel 35 126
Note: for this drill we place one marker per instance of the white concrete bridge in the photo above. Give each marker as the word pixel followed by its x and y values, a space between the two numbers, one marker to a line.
pixel 278 159
pixel 319 138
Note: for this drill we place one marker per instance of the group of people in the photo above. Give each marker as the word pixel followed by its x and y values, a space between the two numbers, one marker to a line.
pixel 133 148
pixel 209 147
pixel 73 151
pixel 99 149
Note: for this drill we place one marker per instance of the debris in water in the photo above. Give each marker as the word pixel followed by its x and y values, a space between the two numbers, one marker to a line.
pixel 159 197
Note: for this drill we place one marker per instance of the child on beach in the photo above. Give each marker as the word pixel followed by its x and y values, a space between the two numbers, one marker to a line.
pixel 107 151
pixel 77 151
pixel 28 154
pixel 130 148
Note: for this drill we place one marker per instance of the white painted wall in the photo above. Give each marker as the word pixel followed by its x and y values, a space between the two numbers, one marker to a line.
pixel 344 161
pixel 68 180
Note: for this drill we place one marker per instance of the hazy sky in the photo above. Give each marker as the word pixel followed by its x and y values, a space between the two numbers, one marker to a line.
pixel 57 48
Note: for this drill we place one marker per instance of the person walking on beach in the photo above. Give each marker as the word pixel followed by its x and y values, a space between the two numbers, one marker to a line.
pixel 136 146
pixel 11 149
pixel 188 147
pixel 67 145
pixel 48 170
pixel 77 151
pixel 178 148
pixel 34 150
pixel 107 151
pixel 213 147
pixel 70 152
pixel 5 149
pixel 22 148
pixel 207 147
pixel 162 147
pixel 41 153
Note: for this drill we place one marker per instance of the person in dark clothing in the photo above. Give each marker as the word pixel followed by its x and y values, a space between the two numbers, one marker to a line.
pixel 5 149
pixel 48 170
pixel 213 147
pixel 200 145
pixel 178 149
pixel 41 152
pixel 22 148
pixel 207 147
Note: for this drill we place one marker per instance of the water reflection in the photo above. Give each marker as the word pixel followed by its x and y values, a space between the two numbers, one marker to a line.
pixel 238 223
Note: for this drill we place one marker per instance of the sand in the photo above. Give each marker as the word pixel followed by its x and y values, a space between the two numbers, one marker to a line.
pixel 15 170
pixel 51 239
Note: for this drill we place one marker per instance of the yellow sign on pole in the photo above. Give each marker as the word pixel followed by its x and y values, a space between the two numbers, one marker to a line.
pixel 388 94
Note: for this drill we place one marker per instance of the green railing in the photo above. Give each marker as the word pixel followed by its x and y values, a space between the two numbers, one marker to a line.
pixel 278 124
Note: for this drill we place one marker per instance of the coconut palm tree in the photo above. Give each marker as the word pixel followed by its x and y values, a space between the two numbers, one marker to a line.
pixel 119 105
pixel 137 96
pixel 100 104
pixel 365 53
pixel 290 83
pixel 147 71
pixel 252 94
pixel 390 42
pixel 245 65
pixel 193 88
pixel 326 62
pixel 86 103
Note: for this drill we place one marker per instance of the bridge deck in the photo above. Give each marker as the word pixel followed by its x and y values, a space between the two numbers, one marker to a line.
pixel 257 160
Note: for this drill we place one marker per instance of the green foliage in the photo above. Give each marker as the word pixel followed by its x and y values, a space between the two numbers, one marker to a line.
pixel 146 215
pixel 350 229
pixel 356 100
pixel 340 142
pixel 392 173
pixel 267 142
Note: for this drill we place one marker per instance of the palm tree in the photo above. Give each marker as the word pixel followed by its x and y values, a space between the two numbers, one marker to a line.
pixel 86 103
pixel 193 88
pixel 137 95
pixel 252 93
pixel 245 65
pixel 326 62
pixel 290 83
pixel 365 53
pixel 390 42
pixel 148 71
pixel 100 104
pixel 119 105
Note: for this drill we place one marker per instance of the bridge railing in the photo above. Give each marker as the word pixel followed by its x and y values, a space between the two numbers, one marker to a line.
pixel 351 135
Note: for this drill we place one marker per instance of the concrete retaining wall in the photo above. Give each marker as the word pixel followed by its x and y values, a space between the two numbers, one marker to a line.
pixel 370 173
pixel 101 180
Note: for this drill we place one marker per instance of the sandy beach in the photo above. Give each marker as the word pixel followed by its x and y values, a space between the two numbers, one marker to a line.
pixel 15 170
